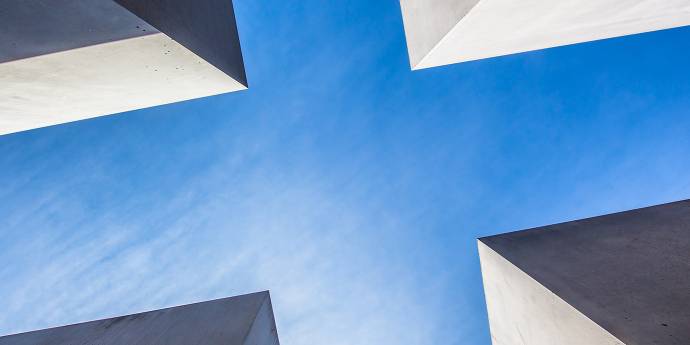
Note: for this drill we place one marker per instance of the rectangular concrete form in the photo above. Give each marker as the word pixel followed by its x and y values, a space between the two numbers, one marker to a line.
pixel 617 279
pixel 67 60
pixel 240 320
pixel 441 32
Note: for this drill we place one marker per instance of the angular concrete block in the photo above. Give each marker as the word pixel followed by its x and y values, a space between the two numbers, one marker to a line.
pixel 617 279
pixel 522 311
pixel 67 60
pixel 240 320
pixel 441 32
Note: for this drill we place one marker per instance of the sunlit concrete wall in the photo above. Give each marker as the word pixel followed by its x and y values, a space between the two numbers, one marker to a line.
pixel 441 32
pixel 67 60
pixel 615 279
pixel 522 311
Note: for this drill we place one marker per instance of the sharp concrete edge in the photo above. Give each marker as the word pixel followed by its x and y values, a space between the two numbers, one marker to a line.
pixel 426 22
pixel 521 310
pixel 263 320
pixel 207 28
pixel 240 320
pixel 63 25
pixel 626 271
pixel 420 65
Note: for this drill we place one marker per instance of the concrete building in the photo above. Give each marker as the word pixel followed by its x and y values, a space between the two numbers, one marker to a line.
pixel 66 60
pixel 617 279
pixel 441 32
pixel 240 320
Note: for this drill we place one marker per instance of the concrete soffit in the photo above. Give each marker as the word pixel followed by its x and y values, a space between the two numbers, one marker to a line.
pixel 207 28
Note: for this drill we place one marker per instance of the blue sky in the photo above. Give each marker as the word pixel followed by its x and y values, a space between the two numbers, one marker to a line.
pixel 351 187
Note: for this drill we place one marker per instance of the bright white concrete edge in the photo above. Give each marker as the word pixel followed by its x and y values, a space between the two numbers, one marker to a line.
pixel 501 27
pixel 426 22
pixel 522 311
pixel 104 79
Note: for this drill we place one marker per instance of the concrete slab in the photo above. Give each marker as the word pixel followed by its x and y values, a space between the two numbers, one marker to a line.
pixel 627 272
pixel 522 311
pixel 428 21
pixel 240 320
pixel 500 27
pixel 206 28
pixel 68 60
pixel 31 28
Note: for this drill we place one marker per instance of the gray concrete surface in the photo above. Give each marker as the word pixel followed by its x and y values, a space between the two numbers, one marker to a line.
pixel 207 28
pixel 500 27
pixel 628 272
pixel 37 27
pixel 69 60
pixel 240 320
pixel 523 312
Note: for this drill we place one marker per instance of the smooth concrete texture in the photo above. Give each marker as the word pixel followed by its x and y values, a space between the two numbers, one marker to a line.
pixel 501 27
pixel 206 27
pixel 30 28
pixel 428 21
pixel 104 79
pixel 522 311
pixel 241 320
pixel 68 60
pixel 627 272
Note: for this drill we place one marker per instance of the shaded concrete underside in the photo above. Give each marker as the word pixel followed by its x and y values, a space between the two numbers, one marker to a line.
pixel 628 271
pixel 522 311
pixel 207 28
pixel 38 27
pixel 241 320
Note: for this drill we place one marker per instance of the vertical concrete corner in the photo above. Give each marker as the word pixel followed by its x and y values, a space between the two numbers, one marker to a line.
pixel 240 320
pixel 615 279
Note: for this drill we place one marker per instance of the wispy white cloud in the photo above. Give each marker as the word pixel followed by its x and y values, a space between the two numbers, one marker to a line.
pixel 310 248
pixel 348 186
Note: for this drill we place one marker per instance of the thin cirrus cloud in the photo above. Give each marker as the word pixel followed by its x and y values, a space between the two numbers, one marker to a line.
pixel 287 236
pixel 349 186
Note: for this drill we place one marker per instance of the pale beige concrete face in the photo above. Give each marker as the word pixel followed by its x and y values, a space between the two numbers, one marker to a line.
pixel 501 27
pixel 524 312
pixel 104 79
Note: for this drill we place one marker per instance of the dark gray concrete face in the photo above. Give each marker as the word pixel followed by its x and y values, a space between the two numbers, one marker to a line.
pixel 207 28
pixel 629 272
pixel 241 320
pixel 37 27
